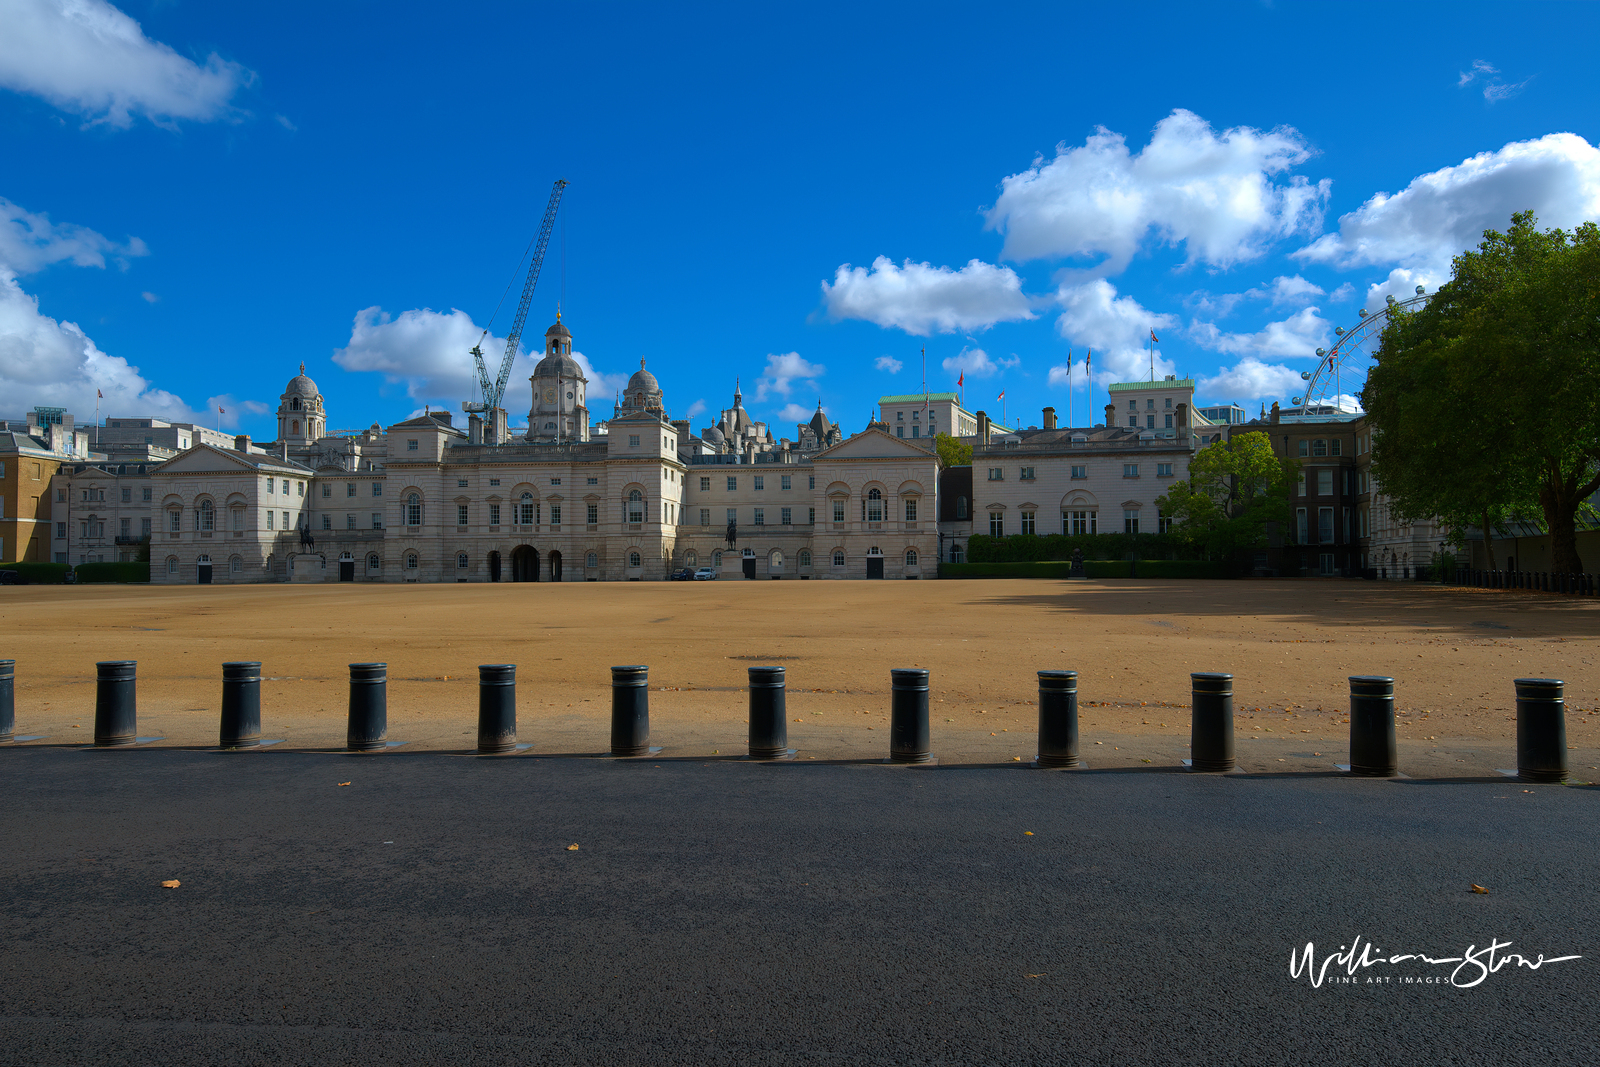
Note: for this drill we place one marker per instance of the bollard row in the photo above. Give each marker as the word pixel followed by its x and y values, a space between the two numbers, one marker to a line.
pixel 1374 753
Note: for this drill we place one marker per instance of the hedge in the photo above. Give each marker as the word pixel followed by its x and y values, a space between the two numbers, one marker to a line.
pixel 1023 548
pixel 1092 568
pixel 113 572
pixel 39 573
pixel 1005 570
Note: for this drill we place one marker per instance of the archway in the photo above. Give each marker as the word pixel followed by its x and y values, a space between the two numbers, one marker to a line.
pixel 494 566
pixel 555 566
pixel 524 564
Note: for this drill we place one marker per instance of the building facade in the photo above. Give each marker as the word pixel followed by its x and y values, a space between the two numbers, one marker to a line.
pixel 31 453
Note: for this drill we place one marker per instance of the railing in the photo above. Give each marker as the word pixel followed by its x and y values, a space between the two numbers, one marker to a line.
pixel 1533 581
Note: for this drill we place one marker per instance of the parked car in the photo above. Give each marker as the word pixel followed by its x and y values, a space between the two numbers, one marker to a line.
pixel 685 575
pixel 11 578
pixel 705 574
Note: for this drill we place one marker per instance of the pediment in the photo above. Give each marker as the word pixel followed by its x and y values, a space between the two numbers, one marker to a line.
pixel 873 444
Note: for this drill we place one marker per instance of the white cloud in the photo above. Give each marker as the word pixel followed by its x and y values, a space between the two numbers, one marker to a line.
pixel 1114 327
pixel 1498 92
pixel 1280 292
pixel 150 298
pixel 920 298
pixel 797 413
pixel 1493 88
pixel 888 363
pixel 1480 69
pixel 44 361
pixel 1224 197
pixel 784 372
pixel 232 408
pixel 1252 379
pixel 87 57
pixel 30 242
pixel 429 353
pixel 1418 230
pixel 1298 335
pixel 697 408
pixel 976 363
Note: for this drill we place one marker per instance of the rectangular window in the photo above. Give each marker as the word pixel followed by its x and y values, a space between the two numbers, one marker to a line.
pixel 1133 405
pixel 1026 474
pixel 1163 470
pixel 127 494
pixel 1163 522
pixel 327 490
pixel 1130 520
pixel 494 514
pixel 1302 534
pixel 761 516
pixel 145 494
pixel 761 482
pixel 1080 472
pixel 705 485
pixel 1133 422
pixel 553 481
pixel 996 474
pixel 1338 446
pixel 555 514
pixel 813 484
pixel 899 431
pixel 916 431
pixel 271 485
pixel 461 483
pixel 269 520
pixel 1319 447
pixel 1027 522
pixel 633 440
pixel 586 481
pixel 1169 422
pixel 997 524
pixel 705 516
pixel 1150 403
pixel 1130 470
pixel 1305 448
pixel 1325 483
pixel 349 489
pixel 733 484
pixel 811 516
pixel 144 528
pixel 784 481
pixel 1168 403
pixel 593 513
pixel 61 529
pixel 1085 522
pixel 286 525
pixel 327 522
pixel 899 416
pixel 350 520
pixel 126 527
pixel 786 517
pixel 838 511
pixel 411 446
pixel 911 510
pixel 1325 526
pixel 733 514
pixel 461 514
pixel 915 415
pixel 492 481
pixel 1149 422
pixel 377 488
pixel 1301 487
pixel 377 520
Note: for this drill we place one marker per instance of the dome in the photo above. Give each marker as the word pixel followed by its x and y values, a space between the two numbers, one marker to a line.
pixel 643 381
pixel 713 436
pixel 558 364
pixel 300 385
pixel 558 330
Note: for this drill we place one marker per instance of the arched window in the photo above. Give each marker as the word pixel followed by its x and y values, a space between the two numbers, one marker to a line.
pixel 635 506
pixel 294 426
pixel 592 560
pixel 838 557
pixel 413 512
pixel 805 557
pixel 716 559
pixel 690 559
pixel 373 562
pixel 911 557
pixel 235 564
pixel 172 564
pixel 525 507
pixel 205 516
pixel 411 561
pixel 633 559
pixel 294 405
pixel 461 561
pixel 961 507
pixel 874 505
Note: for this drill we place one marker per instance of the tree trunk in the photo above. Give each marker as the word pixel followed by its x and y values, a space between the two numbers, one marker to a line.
pixel 1560 498
pixel 1488 540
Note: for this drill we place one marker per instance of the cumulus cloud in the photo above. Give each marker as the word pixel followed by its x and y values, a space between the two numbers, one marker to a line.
pixel 1418 230
pixel 231 408
pixel 1298 335
pixel 1280 292
pixel 45 361
pixel 88 58
pixel 888 363
pixel 30 242
pixel 797 413
pixel 920 298
pixel 976 363
pixel 1224 197
pixel 428 353
pixel 1114 327
pixel 697 408
pixel 784 372
pixel 1251 379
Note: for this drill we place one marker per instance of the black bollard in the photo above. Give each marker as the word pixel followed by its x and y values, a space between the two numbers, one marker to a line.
pixel 8 699
pixel 908 716
pixel 769 722
pixel 1373 752
pixel 1541 730
pixel 630 711
pixel 241 705
pixel 116 704
pixel 1058 719
pixel 369 707
pixel 497 707
pixel 1211 722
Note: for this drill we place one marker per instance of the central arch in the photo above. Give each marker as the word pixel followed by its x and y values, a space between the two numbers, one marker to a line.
pixel 524 564
pixel 494 566
pixel 555 565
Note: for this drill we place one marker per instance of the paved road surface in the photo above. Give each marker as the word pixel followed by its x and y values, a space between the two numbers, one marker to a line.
pixel 431 912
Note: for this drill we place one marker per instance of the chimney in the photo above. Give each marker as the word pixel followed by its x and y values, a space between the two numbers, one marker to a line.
pixel 474 428
pixel 242 443
pixel 1111 415
pixel 283 449
pixel 682 426
pixel 983 429
pixel 1274 415
pixel 1049 418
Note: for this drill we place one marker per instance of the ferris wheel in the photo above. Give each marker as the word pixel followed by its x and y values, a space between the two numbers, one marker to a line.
pixel 1343 368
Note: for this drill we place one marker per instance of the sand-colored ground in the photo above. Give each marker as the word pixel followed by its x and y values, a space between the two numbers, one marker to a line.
pixel 1290 645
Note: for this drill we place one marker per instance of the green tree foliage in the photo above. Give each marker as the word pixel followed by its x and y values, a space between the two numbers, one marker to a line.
pixel 952 453
pixel 1485 404
pixel 1235 488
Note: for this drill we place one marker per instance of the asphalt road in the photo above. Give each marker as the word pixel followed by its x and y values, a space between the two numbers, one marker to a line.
pixel 719 912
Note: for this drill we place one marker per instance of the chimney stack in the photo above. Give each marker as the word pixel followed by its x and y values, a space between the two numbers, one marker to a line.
pixel 242 443
pixel 682 426
pixel 1111 415
pixel 1274 415
pixel 983 429
pixel 1049 418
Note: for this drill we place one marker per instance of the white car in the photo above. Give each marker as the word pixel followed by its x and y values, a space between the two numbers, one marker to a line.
pixel 705 574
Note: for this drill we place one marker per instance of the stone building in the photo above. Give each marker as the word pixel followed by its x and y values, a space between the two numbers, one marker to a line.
pixel 31 453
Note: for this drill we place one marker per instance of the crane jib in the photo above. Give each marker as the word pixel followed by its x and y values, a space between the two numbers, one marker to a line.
pixel 493 394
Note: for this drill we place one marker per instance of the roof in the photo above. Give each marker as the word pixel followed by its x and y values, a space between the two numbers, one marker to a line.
pixel 910 398
pixel 1145 387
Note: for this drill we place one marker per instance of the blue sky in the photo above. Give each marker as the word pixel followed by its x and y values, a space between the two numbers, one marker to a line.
pixel 195 198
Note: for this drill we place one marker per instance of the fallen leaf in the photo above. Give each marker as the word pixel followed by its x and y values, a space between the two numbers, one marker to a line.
pixel 1041 975
pixel 171 883
pixel 1016 759
pixel 572 848
pixel 1478 888
pixel 1027 833
pixel 344 783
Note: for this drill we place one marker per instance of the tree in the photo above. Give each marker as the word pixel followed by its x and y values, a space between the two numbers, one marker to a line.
pixel 1485 404
pixel 952 453
pixel 1235 488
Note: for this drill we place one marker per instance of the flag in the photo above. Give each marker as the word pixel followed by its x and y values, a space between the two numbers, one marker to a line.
pixel 1002 395
pixel 221 410
pixel 1086 360
pixel 98 395
pixel 1154 339
pixel 961 380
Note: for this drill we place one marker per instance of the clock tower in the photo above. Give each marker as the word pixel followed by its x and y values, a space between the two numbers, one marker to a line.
pixel 560 411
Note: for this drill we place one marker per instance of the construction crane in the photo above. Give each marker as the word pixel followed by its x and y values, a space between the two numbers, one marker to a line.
pixel 494 391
